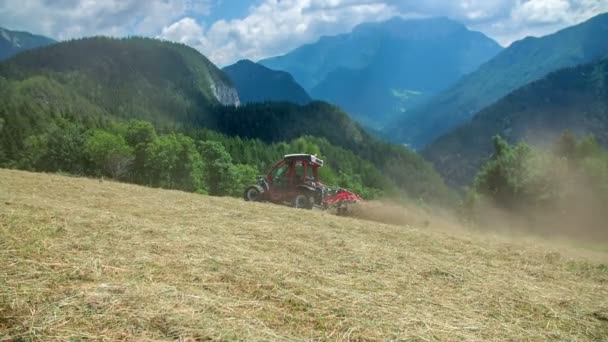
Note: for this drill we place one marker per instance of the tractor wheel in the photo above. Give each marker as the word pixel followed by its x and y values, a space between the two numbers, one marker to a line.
pixel 252 194
pixel 303 201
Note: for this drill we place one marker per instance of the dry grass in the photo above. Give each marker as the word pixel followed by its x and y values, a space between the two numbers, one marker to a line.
pixel 81 260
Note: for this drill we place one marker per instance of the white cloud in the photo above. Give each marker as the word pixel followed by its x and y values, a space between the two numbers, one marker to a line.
pixel 277 26
pixel 63 19
pixel 541 17
pixel 274 27
pixel 186 31
pixel 464 10
pixel 543 12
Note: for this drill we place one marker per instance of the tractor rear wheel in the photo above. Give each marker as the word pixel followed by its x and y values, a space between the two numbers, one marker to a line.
pixel 303 201
pixel 252 194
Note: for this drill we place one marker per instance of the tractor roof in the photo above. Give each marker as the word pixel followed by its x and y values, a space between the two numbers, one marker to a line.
pixel 301 156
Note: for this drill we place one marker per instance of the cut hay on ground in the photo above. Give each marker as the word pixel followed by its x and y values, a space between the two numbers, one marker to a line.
pixel 83 259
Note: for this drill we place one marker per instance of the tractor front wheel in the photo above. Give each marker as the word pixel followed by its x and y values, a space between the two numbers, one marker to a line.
pixel 303 201
pixel 252 194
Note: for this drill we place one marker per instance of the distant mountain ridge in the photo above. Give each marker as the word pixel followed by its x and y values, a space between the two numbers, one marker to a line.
pixel 380 70
pixel 13 42
pixel 257 83
pixel 522 62
pixel 574 99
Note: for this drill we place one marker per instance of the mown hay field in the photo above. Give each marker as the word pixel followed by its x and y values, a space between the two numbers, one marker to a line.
pixel 82 259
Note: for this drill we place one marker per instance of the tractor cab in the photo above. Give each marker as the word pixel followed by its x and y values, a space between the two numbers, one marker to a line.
pixel 294 181
pixel 294 170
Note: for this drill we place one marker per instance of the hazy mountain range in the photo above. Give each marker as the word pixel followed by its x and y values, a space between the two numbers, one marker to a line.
pixel 522 62
pixel 13 42
pixel 574 99
pixel 381 70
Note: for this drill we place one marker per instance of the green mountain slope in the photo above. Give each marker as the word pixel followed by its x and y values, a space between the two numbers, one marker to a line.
pixel 522 62
pixel 256 83
pixel 380 70
pixel 574 99
pixel 98 81
pixel 13 42
pixel 136 77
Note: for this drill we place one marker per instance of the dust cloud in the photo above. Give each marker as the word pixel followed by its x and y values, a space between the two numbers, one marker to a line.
pixel 575 213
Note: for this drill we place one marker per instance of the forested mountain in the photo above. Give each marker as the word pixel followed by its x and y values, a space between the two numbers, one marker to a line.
pixel 574 99
pixel 522 62
pixel 52 98
pixel 13 42
pixel 135 77
pixel 380 70
pixel 256 83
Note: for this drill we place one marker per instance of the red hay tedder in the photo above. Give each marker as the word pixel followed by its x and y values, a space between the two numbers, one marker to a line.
pixel 295 181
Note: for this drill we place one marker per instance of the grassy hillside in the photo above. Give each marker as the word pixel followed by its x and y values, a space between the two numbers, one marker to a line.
pixel 256 83
pixel 574 99
pixel 521 63
pixel 13 42
pixel 83 259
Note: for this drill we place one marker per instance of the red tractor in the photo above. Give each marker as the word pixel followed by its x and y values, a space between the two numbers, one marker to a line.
pixel 295 181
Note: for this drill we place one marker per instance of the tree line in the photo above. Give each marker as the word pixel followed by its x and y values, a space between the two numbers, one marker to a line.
pixel 202 161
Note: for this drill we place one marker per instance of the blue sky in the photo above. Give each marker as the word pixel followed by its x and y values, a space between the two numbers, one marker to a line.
pixel 229 30
pixel 228 10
